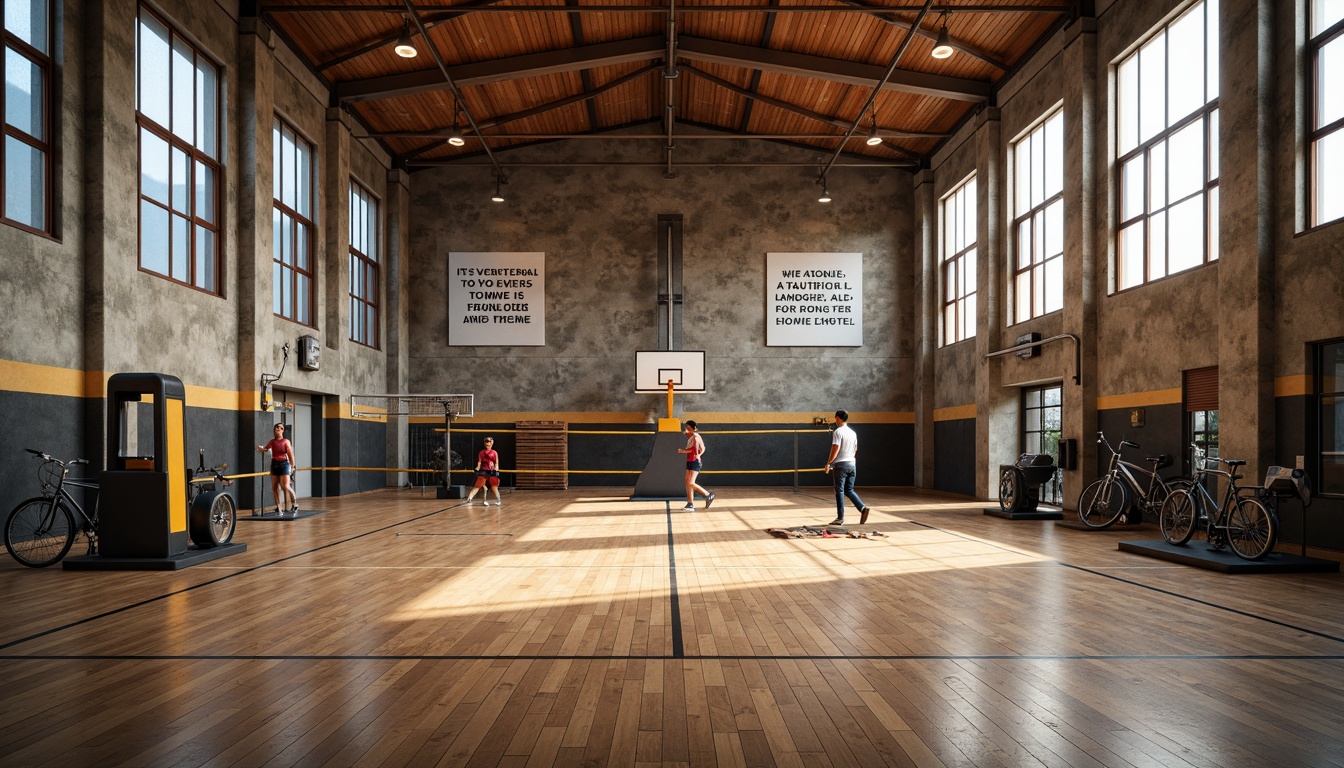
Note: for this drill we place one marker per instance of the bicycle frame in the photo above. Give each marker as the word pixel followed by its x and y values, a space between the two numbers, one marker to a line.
pixel 1125 470
pixel 86 522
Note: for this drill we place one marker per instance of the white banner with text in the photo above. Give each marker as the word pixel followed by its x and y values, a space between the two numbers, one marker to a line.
pixel 814 299
pixel 496 299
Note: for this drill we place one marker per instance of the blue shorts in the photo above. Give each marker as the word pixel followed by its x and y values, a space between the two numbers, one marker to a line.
pixel 693 465
pixel 279 468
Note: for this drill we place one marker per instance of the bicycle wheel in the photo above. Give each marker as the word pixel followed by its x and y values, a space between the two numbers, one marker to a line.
pixel 1102 503
pixel 1177 517
pixel 213 516
pixel 1010 490
pixel 39 532
pixel 1251 529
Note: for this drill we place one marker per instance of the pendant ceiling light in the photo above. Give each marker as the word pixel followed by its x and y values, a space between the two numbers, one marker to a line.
pixel 498 197
pixel 873 138
pixel 943 47
pixel 405 48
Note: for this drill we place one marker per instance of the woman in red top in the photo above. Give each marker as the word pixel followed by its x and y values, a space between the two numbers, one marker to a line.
pixel 695 451
pixel 487 471
pixel 283 463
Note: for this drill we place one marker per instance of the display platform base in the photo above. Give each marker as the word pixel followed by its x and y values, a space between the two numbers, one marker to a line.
pixel 176 562
pixel 1041 513
pixel 1198 554
pixel 282 516
pixel 1073 523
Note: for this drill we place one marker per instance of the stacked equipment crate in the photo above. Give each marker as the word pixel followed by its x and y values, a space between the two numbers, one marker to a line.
pixel 543 445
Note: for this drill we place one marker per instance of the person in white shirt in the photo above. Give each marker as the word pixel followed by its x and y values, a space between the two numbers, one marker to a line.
pixel 840 466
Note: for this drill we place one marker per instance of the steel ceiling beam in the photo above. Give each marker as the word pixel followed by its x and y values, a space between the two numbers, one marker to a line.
pixel 597 8
pixel 885 14
pixel 508 68
pixel 655 46
pixel 834 70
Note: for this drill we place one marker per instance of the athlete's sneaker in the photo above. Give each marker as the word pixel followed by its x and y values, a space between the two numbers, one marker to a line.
pixel 837 521
pixel 688 508
pixel 863 515
pixel 709 500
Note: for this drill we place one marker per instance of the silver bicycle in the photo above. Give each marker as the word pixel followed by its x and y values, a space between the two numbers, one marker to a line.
pixel 1126 486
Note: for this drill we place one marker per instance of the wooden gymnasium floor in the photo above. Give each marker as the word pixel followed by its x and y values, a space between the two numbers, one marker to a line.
pixel 579 628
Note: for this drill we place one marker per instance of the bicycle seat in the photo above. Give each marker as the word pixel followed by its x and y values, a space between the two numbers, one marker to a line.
pixel 1159 462
pixel 1233 462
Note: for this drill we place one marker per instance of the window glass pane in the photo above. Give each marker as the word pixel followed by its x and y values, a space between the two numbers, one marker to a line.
pixel 1131 256
pixel 184 88
pixel 1024 250
pixel 23 93
pixel 286 240
pixel 286 291
pixel 1330 177
pixel 153 69
pixel 1054 229
pixel 356 276
pixel 207 109
pixel 1332 444
pixel 1037 168
pixel 181 181
pixel 301 246
pixel 1187 160
pixel 304 179
pixel 153 166
pixel 371 325
pixel 1187 234
pixel 1127 104
pixel 1133 201
pixel 205 259
pixel 287 193
pixel 1213 224
pixel 1213 145
pixel 153 237
pixel 949 323
pixel 25 184
pixel 1211 66
pixel 27 20
pixel 969 222
pixel 1157 179
pixel 1038 291
pixel 1054 284
pixel 968 317
pixel 1324 14
pixel 1330 83
pixel 1152 88
pixel 1332 368
pixel 1022 300
pixel 1157 245
pixel 1022 166
pixel 1054 155
pixel 371 243
pixel 277 275
pixel 277 148
pixel 301 301
pixel 1033 420
pixel 205 192
pixel 1185 54
pixel 181 249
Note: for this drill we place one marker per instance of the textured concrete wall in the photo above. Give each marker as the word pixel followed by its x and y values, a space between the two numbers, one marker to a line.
pixel 597 227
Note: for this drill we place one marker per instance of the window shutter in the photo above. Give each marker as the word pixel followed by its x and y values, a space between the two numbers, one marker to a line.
pixel 1201 389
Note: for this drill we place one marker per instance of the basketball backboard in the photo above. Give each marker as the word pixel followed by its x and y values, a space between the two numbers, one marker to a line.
pixel 654 368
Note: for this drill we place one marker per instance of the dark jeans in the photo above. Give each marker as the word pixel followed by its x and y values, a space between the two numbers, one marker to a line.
pixel 843 474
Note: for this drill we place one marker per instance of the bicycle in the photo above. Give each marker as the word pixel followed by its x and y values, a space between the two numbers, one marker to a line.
pixel 41 530
pixel 1118 490
pixel 1240 521
pixel 213 514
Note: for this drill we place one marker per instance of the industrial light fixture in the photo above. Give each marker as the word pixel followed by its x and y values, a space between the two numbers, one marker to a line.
pixel 498 197
pixel 405 48
pixel 873 138
pixel 942 48
pixel 825 193
pixel 455 133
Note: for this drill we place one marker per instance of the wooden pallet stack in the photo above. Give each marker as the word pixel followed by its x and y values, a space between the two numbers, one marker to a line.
pixel 543 445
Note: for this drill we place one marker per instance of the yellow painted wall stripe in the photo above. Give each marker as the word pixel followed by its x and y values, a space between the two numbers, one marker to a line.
pixel 40 379
pixel 1140 399
pixel 1293 386
pixel 954 412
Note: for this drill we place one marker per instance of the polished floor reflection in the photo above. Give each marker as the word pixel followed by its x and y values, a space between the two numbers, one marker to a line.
pixel 579 628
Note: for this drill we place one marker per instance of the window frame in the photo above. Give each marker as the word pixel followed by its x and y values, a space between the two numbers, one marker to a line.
pixel 1319 439
pixel 369 299
pixel 1017 271
pixel 1207 114
pixel 1315 133
pixel 44 144
pixel 195 158
pixel 952 265
pixel 1052 491
pixel 297 220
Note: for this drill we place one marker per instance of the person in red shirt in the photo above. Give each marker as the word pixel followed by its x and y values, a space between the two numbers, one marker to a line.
pixel 695 451
pixel 283 463
pixel 487 471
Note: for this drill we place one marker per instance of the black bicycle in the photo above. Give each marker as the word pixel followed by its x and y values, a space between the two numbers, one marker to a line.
pixel 41 530
pixel 1120 488
pixel 1241 521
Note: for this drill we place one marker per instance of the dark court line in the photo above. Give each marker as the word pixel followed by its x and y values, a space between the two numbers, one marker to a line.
pixel 678 650
pixel 674 657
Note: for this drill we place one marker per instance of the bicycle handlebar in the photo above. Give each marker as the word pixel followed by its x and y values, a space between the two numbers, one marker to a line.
pixel 49 457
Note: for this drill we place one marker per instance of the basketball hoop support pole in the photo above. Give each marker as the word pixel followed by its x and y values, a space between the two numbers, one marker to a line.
pixel 671 423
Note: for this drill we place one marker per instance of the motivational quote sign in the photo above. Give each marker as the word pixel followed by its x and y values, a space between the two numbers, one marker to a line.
pixel 814 299
pixel 496 299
